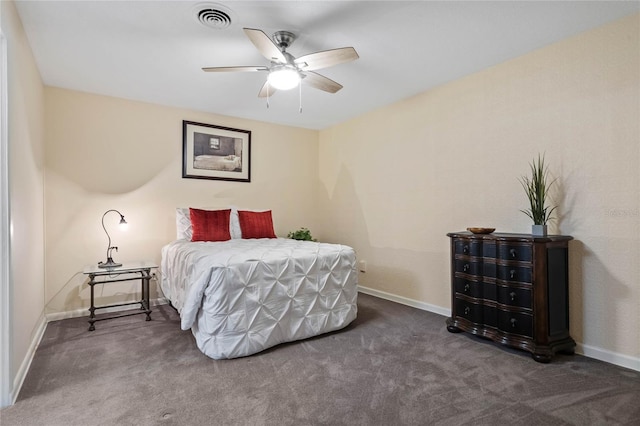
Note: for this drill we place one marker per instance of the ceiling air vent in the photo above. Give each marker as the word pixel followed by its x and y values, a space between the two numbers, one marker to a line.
pixel 213 16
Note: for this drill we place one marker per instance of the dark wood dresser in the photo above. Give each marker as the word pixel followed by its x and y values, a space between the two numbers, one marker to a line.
pixel 512 289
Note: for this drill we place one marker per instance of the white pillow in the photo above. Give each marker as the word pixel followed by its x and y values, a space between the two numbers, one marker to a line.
pixel 183 224
pixel 185 232
pixel 234 225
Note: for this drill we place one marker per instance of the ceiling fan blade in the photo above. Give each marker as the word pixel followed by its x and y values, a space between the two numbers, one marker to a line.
pixel 326 58
pixel 267 89
pixel 265 45
pixel 321 82
pixel 235 69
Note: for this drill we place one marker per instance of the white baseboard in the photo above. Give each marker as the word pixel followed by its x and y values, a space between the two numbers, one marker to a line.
pixel 26 362
pixel 608 356
pixel 600 354
pixel 405 301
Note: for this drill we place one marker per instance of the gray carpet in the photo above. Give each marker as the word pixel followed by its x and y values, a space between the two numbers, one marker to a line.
pixel 394 365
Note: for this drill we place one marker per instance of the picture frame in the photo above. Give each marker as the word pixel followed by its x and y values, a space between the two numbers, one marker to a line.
pixel 215 152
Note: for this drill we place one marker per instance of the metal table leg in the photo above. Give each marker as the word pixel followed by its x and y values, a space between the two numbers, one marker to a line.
pixel 92 308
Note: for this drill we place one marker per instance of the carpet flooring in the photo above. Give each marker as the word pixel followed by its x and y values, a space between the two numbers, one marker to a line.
pixel 394 365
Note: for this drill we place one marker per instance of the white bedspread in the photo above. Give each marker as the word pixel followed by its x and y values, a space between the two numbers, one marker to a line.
pixel 240 297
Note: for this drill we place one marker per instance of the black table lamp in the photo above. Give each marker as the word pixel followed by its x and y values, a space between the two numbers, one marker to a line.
pixel 110 263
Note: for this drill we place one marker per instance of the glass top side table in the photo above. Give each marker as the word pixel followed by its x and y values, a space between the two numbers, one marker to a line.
pixel 127 272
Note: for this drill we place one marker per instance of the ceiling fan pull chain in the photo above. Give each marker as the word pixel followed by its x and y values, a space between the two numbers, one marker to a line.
pixel 267 96
pixel 300 93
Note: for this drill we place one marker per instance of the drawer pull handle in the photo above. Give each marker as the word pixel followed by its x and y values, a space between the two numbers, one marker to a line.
pixel 466 288
pixel 465 249
pixel 512 252
pixel 513 296
pixel 512 273
pixel 465 268
pixel 513 322
pixel 466 310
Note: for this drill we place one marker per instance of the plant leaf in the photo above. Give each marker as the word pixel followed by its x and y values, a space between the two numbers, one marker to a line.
pixel 537 188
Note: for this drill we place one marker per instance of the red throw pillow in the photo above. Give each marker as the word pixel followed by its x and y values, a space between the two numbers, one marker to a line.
pixel 210 225
pixel 256 224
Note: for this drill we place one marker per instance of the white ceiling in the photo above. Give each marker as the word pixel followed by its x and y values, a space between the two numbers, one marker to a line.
pixel 153 51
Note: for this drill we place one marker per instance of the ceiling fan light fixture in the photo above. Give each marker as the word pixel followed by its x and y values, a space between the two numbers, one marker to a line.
pixel 284 78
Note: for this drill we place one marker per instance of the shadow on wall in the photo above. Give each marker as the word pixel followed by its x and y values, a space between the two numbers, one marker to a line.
pixel 607 290
pixel 561 199
pixel 576 290
pixel 387 269
pixel 343 217
pixel 600 299
pixel 117 148
pixel 68 297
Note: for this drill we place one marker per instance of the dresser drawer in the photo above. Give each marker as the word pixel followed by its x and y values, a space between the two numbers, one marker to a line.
pixel 476 313
pixel 469 311
pixel 518 297
pixel 468 247
pixel 522 253
pixel 514 273
pixel 515 323
pixel 468 267
pixel 468 287
pixel 476 289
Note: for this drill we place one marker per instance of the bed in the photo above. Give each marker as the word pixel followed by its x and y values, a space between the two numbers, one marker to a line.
pixel 217 162
pixel 240 296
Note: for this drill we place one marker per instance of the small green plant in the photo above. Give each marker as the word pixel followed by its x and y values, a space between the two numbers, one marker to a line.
pixel 537 188
pixel 302 234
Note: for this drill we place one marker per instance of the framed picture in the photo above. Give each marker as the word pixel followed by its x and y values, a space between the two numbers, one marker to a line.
pixel 215 152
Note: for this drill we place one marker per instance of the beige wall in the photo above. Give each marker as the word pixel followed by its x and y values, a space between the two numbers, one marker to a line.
pixel 26 190
pixel 106 153
pixel 396 180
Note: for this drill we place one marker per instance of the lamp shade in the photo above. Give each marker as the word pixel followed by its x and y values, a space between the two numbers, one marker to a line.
pixel 284 78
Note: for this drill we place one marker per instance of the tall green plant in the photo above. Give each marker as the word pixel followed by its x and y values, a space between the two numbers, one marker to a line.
pixel 537 188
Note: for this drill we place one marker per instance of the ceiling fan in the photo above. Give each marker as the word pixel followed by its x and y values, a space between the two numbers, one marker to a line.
pixel 286 71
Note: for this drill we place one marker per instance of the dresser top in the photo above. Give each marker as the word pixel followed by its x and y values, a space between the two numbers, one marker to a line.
pixel 504 236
